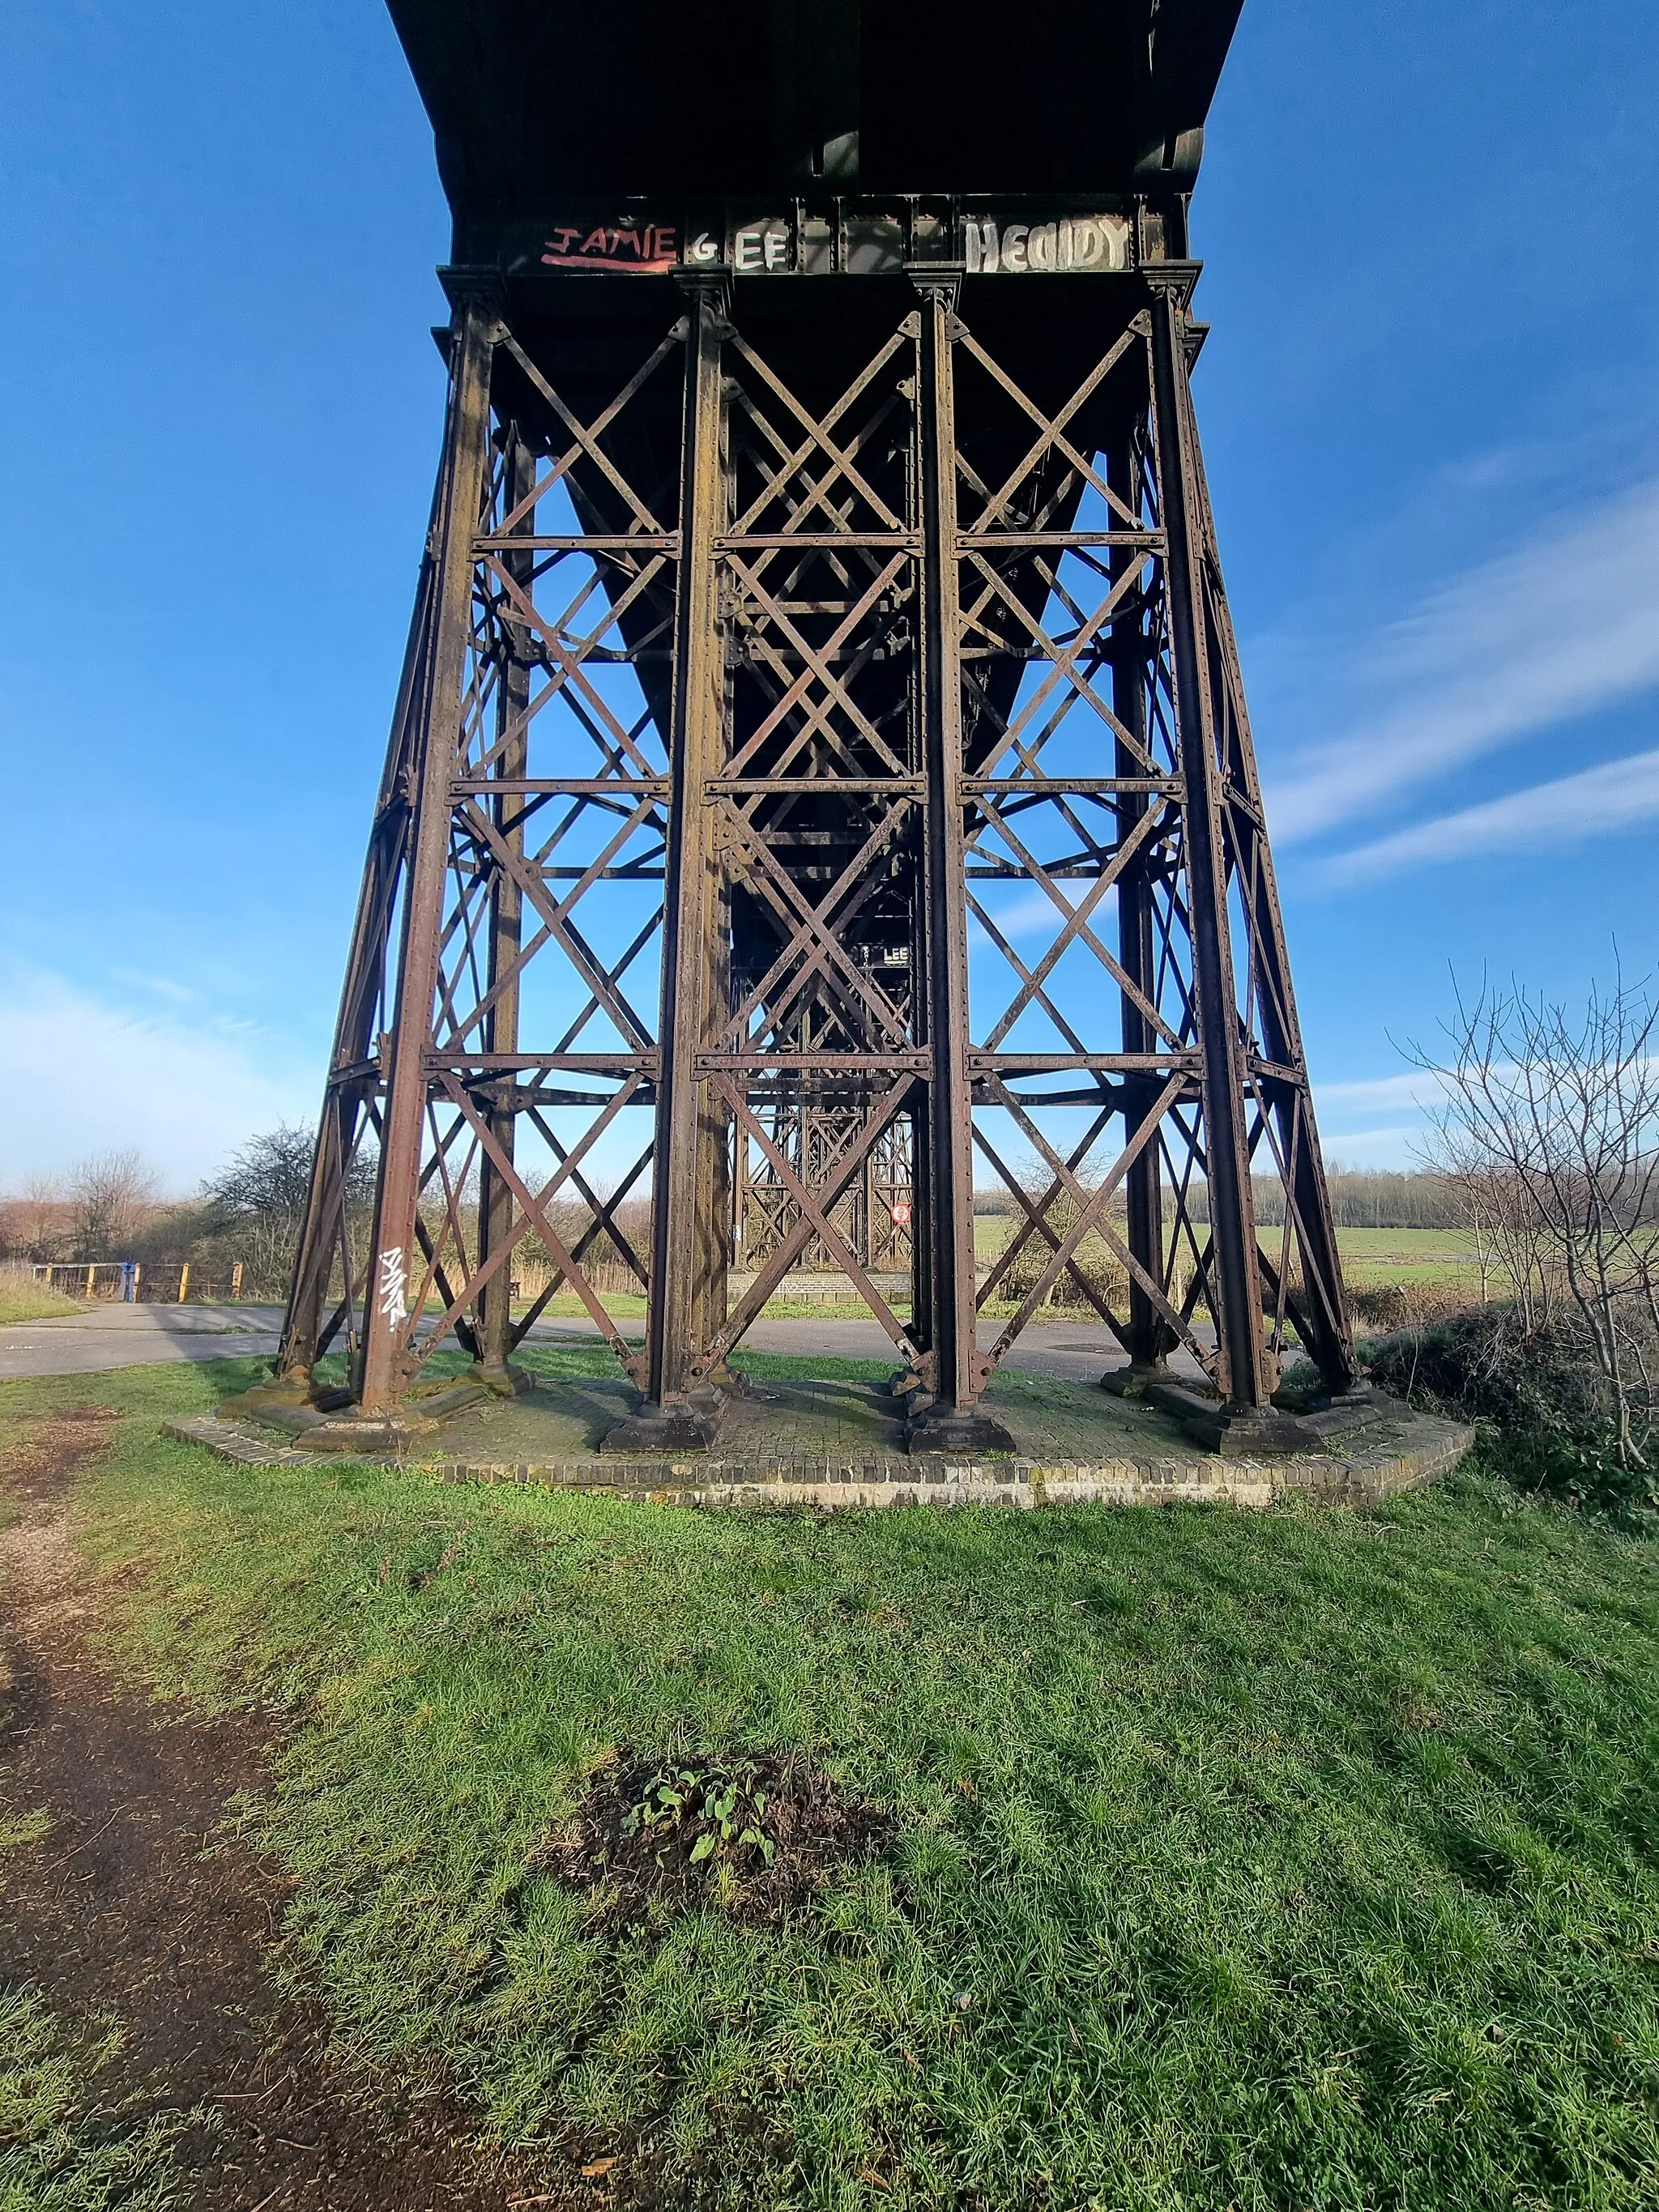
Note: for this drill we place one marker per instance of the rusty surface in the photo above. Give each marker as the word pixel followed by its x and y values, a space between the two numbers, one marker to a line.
pixel 821 775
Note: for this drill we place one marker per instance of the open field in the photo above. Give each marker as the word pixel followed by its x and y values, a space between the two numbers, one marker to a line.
pixel 1371 1257
pixel 1200 1859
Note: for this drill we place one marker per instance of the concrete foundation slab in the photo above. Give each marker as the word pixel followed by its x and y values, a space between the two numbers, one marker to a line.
pixel 841 1443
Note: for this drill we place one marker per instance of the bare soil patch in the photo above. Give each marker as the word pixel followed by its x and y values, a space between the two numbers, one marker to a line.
pixel 767 1832
pixel 135 1904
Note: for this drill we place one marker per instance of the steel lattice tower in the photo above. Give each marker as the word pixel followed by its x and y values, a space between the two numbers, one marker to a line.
pixel 814 567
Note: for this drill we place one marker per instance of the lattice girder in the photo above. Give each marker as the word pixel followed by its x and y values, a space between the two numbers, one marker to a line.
pixel 815 769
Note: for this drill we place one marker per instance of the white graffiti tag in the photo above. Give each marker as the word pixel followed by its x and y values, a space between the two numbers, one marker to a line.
pixel 393 1300
pixel 1089 241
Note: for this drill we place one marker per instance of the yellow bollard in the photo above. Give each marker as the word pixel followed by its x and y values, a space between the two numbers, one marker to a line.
pixel 184 1281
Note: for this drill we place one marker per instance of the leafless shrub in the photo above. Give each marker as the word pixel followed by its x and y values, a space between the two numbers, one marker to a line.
pixel 1550 1130
pixel 596 1249
pixel 253 1207
pixel 111 1195
pixel 1025 1259
pixel 39 1222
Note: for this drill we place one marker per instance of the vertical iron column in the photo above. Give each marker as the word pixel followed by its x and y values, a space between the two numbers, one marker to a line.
pixel 398 1197
pixel 954 1420
pixel 494 1321
pixel 1323 1321
pixel 1147 1332
pixel 1243 1364
pixel 323 1236
pixel 690 908
pixel 712 1254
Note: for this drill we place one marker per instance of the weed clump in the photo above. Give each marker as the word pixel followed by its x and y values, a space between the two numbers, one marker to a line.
pixel 761 1833
pixel 726 1806
pixel 1537 1390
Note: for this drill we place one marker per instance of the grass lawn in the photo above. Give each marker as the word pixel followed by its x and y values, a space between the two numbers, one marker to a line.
pixel 1281 1862
pixel 1371 1257
pixel 21 1299
pixel 1439 1259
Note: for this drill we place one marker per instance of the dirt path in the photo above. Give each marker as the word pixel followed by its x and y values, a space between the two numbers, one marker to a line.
pixel 118 1910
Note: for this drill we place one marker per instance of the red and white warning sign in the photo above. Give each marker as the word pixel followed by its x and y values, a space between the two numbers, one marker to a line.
pixel 901 1214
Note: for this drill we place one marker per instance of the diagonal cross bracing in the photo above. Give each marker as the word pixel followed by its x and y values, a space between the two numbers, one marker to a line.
pixel 821 760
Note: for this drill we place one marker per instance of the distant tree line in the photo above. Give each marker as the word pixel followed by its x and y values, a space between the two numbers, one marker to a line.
pixel 252 1211
pixel 1376 1198
pixel 107 1207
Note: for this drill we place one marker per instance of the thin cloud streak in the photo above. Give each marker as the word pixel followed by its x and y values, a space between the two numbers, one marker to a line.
pixel 1543 635
pixel 1033 914
pixel 1598 803
pixel 1414 1092
pixel 1411 1095
pixel 1374 1148
pixel 184 1094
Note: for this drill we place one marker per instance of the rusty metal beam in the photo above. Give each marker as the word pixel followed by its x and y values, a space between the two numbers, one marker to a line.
pixel 776 679
pixel 955 1372
pixel 682 1256
pixel 1146 1338
pixel 500 1025
pixel 1242 1371
pixel 387 1322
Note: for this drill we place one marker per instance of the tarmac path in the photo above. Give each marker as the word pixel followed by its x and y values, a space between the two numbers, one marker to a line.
pixel 135 1336
pixel 144 1336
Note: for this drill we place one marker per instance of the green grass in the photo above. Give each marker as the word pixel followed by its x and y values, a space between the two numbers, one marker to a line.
pixel 21 1299
pixel 1447 1246
pixel 623 1307
pixel 1373 1257
pixel 1289 1862
pixel 59 2152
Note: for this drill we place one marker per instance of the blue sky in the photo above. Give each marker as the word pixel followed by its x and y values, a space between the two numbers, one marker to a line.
pixel 1431 413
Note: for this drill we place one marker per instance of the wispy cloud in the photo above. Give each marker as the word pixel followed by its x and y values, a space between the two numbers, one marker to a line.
pixel 1033 914
pixel 86 1076
pixel 1557 630
pixel 1393 1113
pixel 1414 1092
pixel 180 994
pixel 1597 803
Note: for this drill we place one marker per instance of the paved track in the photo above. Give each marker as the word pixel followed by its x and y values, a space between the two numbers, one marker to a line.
pixel 146 1336
pixel 135 1336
